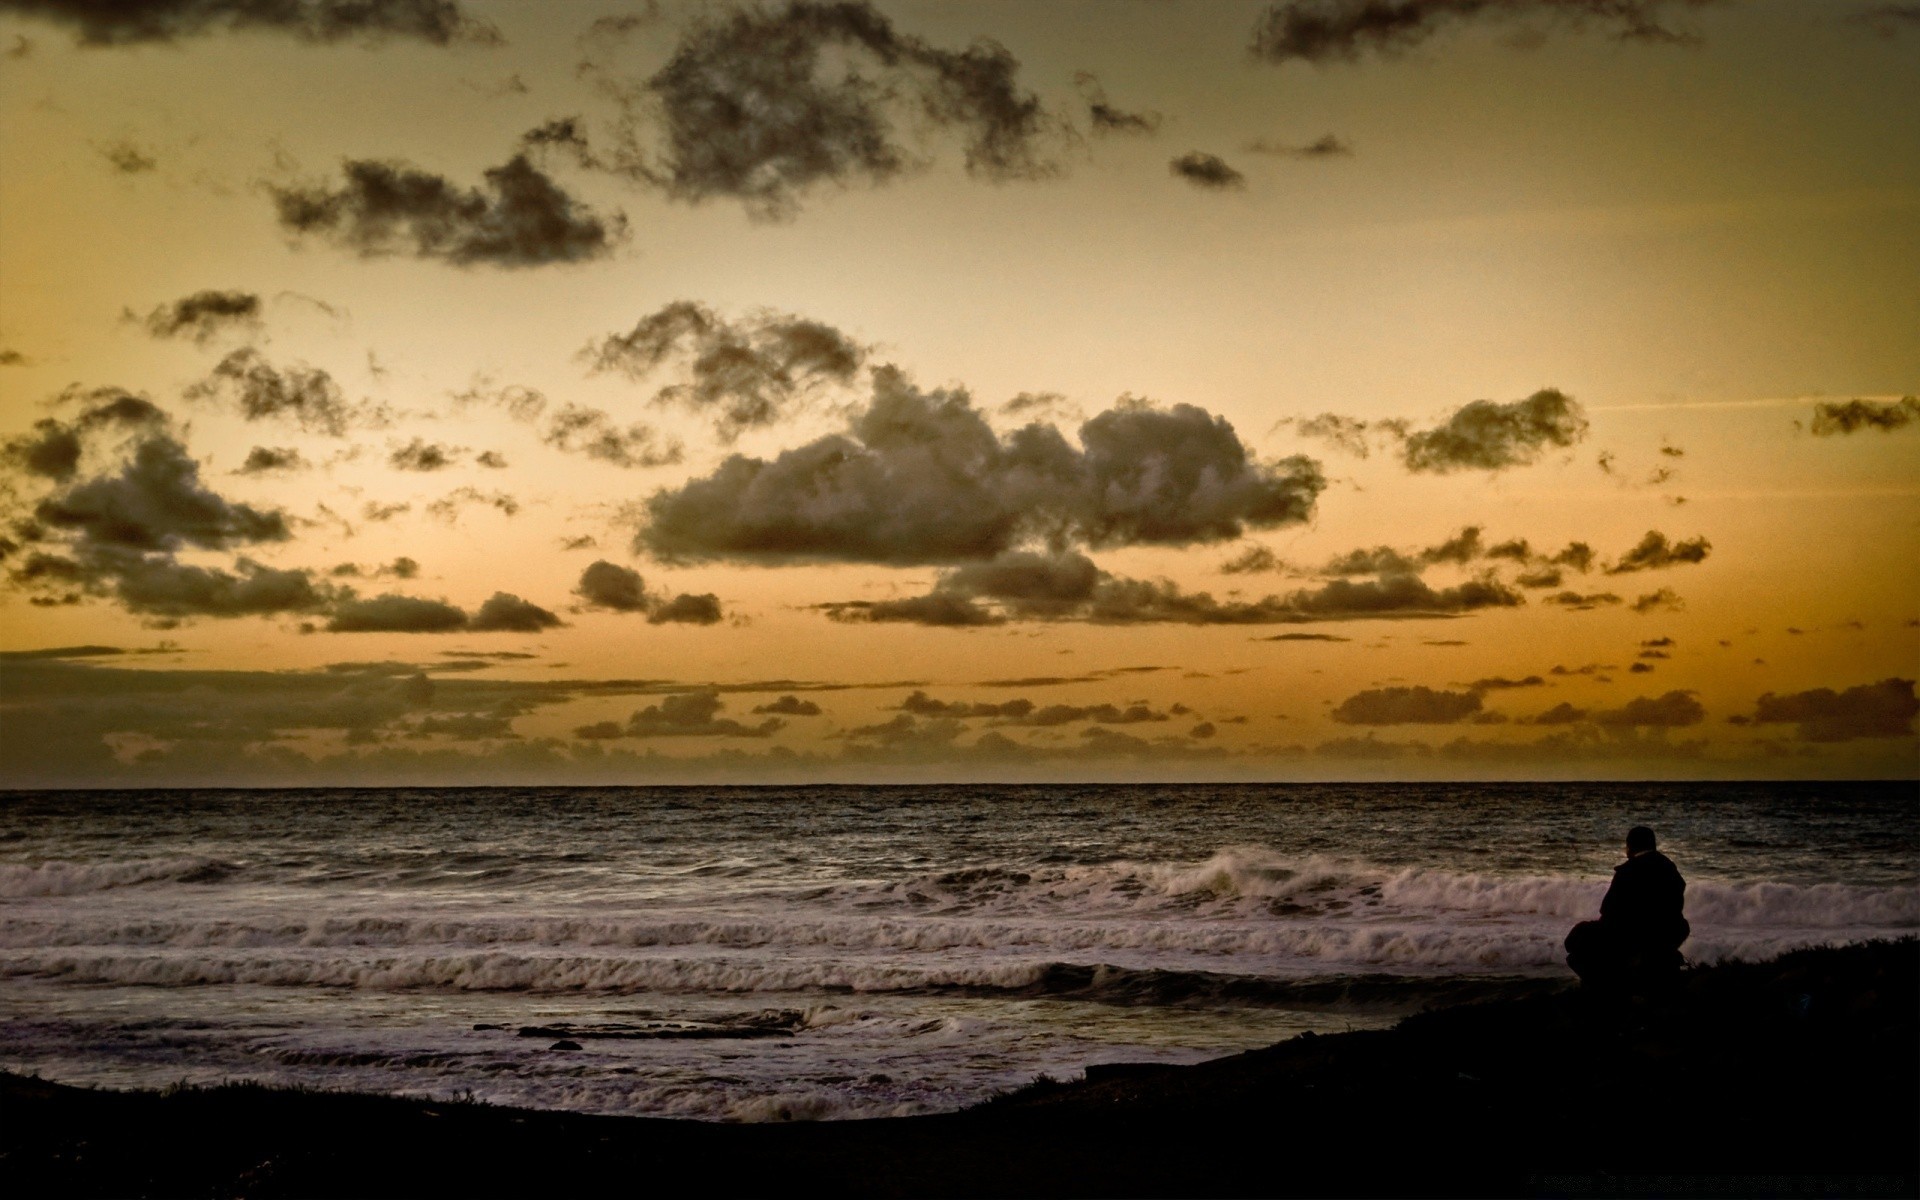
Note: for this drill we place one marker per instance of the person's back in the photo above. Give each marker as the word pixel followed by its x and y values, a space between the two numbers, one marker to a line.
pixel 1642 920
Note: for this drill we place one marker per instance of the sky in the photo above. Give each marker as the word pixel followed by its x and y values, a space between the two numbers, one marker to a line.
pixel 602 391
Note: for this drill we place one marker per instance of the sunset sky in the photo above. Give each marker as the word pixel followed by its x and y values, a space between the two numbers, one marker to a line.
pixel 411 391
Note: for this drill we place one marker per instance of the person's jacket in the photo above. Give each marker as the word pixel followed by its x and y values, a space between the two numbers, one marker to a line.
pixel 1646 899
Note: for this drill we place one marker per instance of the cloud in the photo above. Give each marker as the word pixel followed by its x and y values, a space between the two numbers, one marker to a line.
pixel 690 714
pixel 117 22
pixel 922 705
pixel 1871 710
pixel 1562 713
pixel 745 374
pixel 421 455
pixel 519 218
pixel 612 586
pixel 205 315
pixel 1671 711
pixel 306 395
pixel 1324 146
pixel 393 613
pixel 1252 560
pixel 1027 586
pixel 449 507
pixel 159 586
pixel 1654 552
pixel 1347 433
pixel 1105 118
pixel 54 449
pixel 1499 683
pixel 1304 637
pixel 1406 706
pixel 1322 31
pixel 267 460
pixel 788 706
pixel 1207 171
pixel 1486 435
pixel 762 105
pixel 577 429
pixel 1664 600
pixel 621 589
pixel 127 158
pixel 1830 419
pixel 157 503
pixel 9 357
pixel 1582 601
pixel 920 477
pixel 1887 20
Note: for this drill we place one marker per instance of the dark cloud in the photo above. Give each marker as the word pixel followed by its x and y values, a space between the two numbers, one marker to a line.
pixel 126 157
pixel 400 568
pixel 519 218
pixel 922 705
pixel 1321 31
pixel 1486 435
pixel 577 429
pixel 690 714
pixel 920 477
pixel 155 585
pixel 1871 710
pixel 1252 560
pixel 307 396
pixel 1348 433
pixel 761 105
pixel 205 315
pixel 1406 706
pixel 686 609
pixel 422 455
pixel 9 357
pixel 267 460
pixel 1324 146
pixel 1105 118
pixel 1560 714
pixel 621 589
pixel 1830 419
pixel 376 511
pixel 612 586
pixel 1499 683
pixel 156 502
pixel 1671 711
pixel 1640 668
pixel 1664 600
pixel 1541 577
pixel 1100 714
pixel 448 507
pixel 54 448
pixel 393 613
pixel 1577 555
pixel 787 706
pixel 1654 552
pixel 1304 637
pixel 745 374
pixel 493 460
pixel 1207 171
pixel 1582 602
pixel 503 612
pixel 129 22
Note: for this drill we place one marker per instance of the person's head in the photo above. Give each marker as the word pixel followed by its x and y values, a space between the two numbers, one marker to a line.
pixel 1639 840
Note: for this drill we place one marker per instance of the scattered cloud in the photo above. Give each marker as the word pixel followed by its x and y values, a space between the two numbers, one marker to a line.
pixel 621 589
pixel 305 395
pixel 519 218
pixel 127 158
pixel 1654 552
pixel 787 706
pixel 424 456
pixel 1562 713
pixel 1664 600
pixel 449 507
pixel 1325 146
pixel 1871 710
pixel 691 714
pixel 1831 419
pixel 119 23
pixel 762 105
pixel 1406 706
pixel 1671 711
pixel 577 429
pixel 1323 31
pixel 1207 171
pixel 1106 119
pixel 745 374
pixel 1582 601
pixel 394 613
pixel 272 460
pixel 204 315
pixel 920 477
pixel 1486 435
pixel 1304 637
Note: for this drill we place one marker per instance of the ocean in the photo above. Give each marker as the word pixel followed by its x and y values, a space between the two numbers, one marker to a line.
pixel 752 954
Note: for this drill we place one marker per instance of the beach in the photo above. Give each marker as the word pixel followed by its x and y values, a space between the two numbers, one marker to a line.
pixel 1793 1077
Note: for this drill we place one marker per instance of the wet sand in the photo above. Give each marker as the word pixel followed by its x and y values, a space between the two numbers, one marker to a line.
pixel 1798 1077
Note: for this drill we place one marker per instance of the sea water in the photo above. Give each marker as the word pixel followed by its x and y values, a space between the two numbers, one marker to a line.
pixel 816 952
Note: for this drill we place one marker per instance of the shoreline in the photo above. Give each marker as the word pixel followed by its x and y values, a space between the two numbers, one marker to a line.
pixel 1798 1076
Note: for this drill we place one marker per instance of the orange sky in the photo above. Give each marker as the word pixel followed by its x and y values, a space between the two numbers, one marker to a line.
pixel 611 392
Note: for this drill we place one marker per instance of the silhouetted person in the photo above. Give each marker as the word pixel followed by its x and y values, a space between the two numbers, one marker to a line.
pixel 1637 938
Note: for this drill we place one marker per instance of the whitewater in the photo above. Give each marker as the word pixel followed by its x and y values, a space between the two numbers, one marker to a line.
pixel 827 952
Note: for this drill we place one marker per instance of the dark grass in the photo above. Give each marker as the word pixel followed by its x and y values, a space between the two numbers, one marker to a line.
pixel 1798 1077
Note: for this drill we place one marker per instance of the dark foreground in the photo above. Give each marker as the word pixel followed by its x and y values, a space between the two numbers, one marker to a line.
pixel 1796 1077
